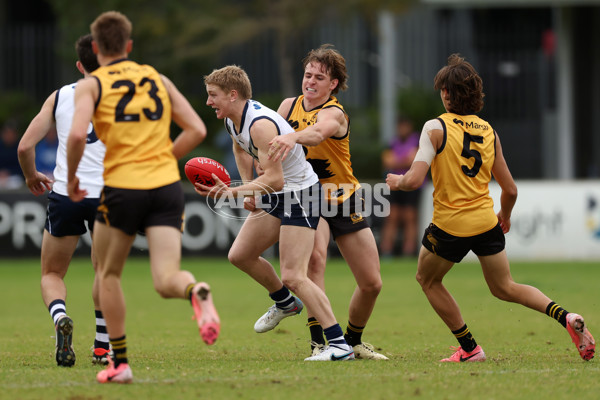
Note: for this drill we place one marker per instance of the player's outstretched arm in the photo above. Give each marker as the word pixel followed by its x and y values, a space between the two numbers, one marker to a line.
pixel 412 180
pixel 330 122
pixel 432 136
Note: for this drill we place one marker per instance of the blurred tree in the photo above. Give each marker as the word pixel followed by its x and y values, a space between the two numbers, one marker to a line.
pixel 420 104
pixel 18 106
pixel 185 39
pixel 178 37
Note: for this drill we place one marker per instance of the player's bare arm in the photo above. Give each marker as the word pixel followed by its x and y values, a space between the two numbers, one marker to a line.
pixel 262 132
pixel 285 107
pixel 412 180
pixel 278 150
pixel 331 122
pixel 36 131
pixel 430 141
pixel 86 93
pixel 193 129
pixel 244 162
pixel 508 197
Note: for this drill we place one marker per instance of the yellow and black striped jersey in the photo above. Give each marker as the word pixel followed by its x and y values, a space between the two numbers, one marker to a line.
pixel 330 159
pixel 461 172
pixel 133 119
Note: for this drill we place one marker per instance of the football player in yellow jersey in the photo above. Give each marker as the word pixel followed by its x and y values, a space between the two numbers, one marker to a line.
pixel 132 106
pixel 464 152
pixel 323 128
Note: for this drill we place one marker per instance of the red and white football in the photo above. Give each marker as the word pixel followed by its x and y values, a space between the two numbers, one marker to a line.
pixel 200 170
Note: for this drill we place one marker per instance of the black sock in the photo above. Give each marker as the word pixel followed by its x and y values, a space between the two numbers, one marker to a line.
pixel 557 312
pixel 316 332
pixel 188 291
pixel 119 346
pixel 465 339
pixel 353 334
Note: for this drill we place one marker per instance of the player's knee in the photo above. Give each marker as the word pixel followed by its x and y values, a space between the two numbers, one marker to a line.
pixel 423 281
pixel 316 264
pixel 292 282
pixel 376 288
pixel 235 257
pixel 372 286
pixel 501 292
pixel 419 278
pixel 161 290
pixel 315 272
pixel 164 285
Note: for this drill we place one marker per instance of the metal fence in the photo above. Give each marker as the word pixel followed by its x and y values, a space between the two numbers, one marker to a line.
pixel 29 62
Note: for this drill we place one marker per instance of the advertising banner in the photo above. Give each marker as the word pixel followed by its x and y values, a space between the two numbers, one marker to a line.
pixel 22 218
pixel 552 220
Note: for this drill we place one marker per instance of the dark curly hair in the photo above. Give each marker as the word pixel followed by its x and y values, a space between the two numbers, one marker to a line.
pixel 334 64
pixel 464 86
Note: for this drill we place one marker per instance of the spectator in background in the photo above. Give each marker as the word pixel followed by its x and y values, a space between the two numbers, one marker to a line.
pixel 404 212
pixel 10 171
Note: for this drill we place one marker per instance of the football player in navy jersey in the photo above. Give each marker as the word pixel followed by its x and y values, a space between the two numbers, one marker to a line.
pixel 290 194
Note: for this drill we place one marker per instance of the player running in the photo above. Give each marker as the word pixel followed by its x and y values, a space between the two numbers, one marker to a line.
pixel 132 106
pixel 66 221
pixel 464 152
pixel 288 212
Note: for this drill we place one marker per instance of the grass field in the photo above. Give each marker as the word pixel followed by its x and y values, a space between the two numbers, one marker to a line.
pixel 530 356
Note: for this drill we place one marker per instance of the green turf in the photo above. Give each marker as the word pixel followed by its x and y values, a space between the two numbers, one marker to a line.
pixel 530 356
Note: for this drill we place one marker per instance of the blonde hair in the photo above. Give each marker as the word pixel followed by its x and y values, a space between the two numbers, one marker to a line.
pixel 111 31
pixel 229 78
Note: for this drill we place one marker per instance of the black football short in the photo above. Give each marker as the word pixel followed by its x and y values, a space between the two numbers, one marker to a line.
pixel 348 217
pixel 133 210
pixel 454 248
